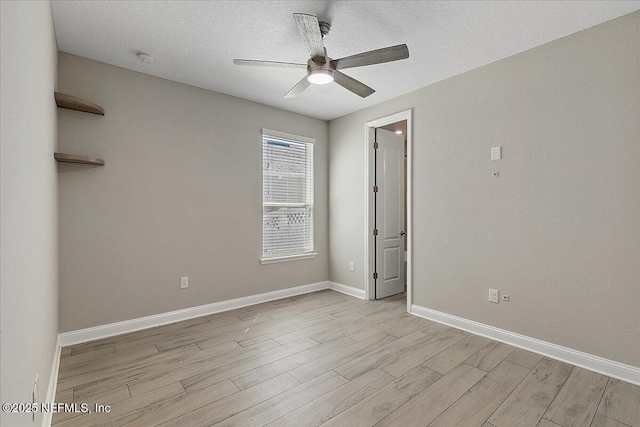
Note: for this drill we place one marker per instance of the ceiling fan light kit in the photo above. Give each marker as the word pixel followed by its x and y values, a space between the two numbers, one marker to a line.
pixel 321 69
pixel 320 77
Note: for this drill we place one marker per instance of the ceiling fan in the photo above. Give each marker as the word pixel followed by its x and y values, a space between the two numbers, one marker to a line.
pixel 320 68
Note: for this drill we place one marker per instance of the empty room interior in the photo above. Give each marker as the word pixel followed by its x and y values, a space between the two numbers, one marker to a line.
pixel 305 213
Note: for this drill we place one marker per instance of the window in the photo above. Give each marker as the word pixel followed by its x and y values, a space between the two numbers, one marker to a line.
pixel 287 197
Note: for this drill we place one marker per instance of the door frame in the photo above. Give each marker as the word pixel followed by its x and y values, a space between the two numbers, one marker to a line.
pixel 369 248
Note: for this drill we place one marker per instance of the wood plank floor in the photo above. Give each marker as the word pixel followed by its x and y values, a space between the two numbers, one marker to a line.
pixel 329 359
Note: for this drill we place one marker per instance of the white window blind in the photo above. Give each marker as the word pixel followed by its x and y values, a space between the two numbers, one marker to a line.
pixel 287 195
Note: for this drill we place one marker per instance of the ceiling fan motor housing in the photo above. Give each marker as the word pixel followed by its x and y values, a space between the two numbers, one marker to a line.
pixel 325 27
pixel 320 63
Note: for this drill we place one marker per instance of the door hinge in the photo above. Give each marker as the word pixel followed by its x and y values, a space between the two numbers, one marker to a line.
pixel 375 275
pixel 375 231
pixel 375 145
pixel 375 188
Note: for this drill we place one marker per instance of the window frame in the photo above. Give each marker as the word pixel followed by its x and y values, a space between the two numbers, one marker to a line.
pixel 302 254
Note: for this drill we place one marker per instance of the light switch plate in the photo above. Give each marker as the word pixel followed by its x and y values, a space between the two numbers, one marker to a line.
pixel 184 282
pixel 496 153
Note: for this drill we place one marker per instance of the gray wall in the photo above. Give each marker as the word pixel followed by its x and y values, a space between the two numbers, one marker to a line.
pixel 29 212
pixel 558 231
pixel 180 195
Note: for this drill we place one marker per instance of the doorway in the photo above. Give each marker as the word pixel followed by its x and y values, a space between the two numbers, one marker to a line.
pixel 388 207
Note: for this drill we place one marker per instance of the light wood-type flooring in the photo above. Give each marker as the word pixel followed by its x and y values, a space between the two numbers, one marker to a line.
pixel 330 359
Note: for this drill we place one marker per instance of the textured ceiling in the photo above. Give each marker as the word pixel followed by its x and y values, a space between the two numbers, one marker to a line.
pixel 194 42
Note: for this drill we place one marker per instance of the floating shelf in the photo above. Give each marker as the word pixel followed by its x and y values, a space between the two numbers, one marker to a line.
pixel 74 103
pixel 73 158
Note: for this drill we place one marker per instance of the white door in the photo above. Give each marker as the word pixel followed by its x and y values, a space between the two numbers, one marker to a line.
pixel 389 213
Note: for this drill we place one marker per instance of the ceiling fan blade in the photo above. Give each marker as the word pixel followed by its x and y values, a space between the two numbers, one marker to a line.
pixel 378 56
pixel 310 31
pixel 352 84
pixel 298 88
pixel 253 63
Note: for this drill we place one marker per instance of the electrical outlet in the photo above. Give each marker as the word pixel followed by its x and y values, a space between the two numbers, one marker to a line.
pixel 496 153
pixel 493 295
pixel 184 282
pixel 505 298
pixel 352 266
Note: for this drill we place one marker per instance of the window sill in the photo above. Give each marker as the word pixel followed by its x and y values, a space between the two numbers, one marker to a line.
pixel 275 259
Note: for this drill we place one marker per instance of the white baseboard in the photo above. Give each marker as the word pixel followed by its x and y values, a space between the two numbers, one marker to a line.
pixel 118 328
pixel 47 417
pixel 349 290
pixel 628 373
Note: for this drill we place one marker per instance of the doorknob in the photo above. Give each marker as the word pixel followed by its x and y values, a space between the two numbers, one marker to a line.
pixel 402 233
